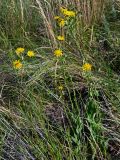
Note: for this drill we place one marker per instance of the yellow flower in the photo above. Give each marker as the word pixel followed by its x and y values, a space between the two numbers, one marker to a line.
pixel 56 17
pixel 61 22
pixel 60 87
pixel 17 64
pixel 19 50
pixel 61 38
pixel 58 53
pixel 68 13
pixel 30 54
pixel 63 9
pixel 87 67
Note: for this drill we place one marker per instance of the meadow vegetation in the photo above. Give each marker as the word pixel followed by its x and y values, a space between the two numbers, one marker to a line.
pixel 59 80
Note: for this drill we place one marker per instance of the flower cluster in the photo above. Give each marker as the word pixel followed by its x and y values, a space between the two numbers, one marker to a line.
pixel 61 22
pixel 65 13
pixel 17 64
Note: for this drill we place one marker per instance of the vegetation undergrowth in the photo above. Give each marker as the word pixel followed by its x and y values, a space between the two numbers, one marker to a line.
pixel 59 80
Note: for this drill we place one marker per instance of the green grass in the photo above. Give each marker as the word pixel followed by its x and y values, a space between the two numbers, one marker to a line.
pixel 39 121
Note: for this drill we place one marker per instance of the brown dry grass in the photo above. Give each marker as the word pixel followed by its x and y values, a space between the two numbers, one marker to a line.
pixel 89 12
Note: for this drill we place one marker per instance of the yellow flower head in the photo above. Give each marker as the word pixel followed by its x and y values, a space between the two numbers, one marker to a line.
pixel 61 22
pixel 68 13
pixel 60 87
pixel 87 67
pixel 19 50
pixel 30 54
pixel 58 53
pixel 61 38
pixel 17 64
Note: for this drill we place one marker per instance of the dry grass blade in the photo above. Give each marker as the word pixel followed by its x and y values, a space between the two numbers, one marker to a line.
pixel 47 23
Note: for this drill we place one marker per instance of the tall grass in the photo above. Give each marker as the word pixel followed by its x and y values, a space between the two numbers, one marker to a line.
pixel 39 120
